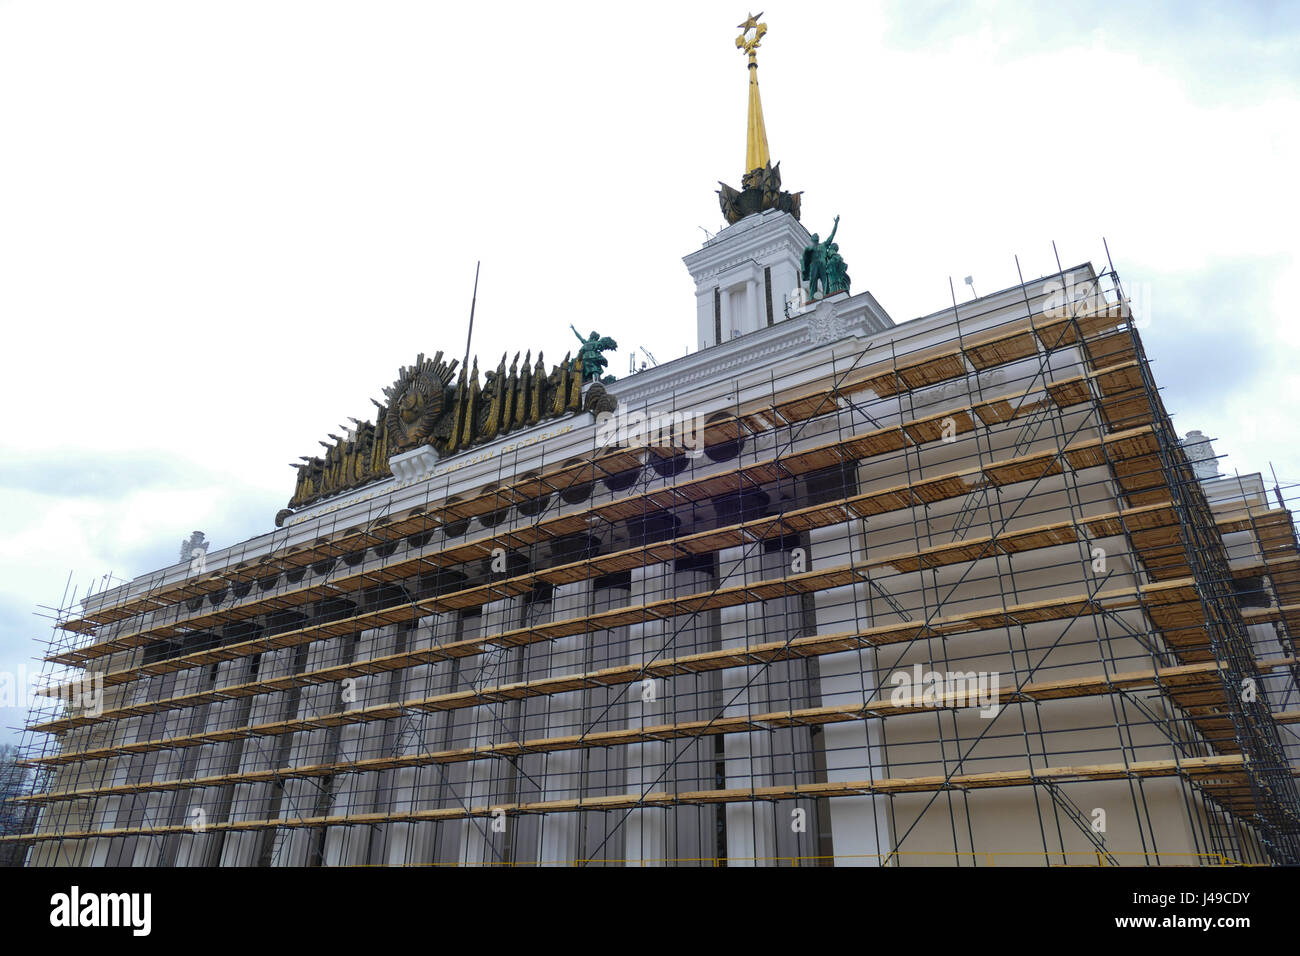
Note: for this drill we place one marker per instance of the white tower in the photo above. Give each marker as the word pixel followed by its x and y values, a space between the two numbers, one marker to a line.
pixel 744 275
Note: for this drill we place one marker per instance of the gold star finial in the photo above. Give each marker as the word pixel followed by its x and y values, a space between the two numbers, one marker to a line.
pixel 756 155
pixel 748 45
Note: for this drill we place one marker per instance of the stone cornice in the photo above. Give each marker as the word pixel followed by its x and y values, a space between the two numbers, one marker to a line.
pixel 751 238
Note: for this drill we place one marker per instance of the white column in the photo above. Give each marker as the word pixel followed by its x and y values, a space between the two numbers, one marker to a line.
pixel 750 837
pixel 560 831
pixel 859 825
pixel 784 278
pixel 704 317
pixel 251 801
pixel 694 697
pixel 356 792
pixel 490 723
pixel 645 832
pixel 419 733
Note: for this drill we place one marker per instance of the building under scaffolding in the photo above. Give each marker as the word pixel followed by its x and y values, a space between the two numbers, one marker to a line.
pixel 949 591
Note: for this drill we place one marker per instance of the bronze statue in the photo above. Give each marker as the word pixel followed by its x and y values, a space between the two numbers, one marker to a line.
pixel 837 273
pixel 760 190
pixel 590 358
pixel 823 265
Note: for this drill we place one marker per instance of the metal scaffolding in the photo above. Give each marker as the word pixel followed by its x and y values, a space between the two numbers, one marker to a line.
pixel 635 655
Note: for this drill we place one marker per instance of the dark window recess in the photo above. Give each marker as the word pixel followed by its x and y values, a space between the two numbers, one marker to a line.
pixel 439 582
pixel 574 547
pixel 668 467
pixel 616 579
pixel 216 597
pixel 353 558
pixel 240 591
pixel 420 540
pixel 717 316
pixel 478 573
pixel 469 612
pixel 195 604
pixel 494 518
pixel 724 450
pixel 241 631
pixel 786 542
pixel 516 563
pixel 533 506
pixel 573 490
pixel 324 566
pixel 265 584
pixel 1250 592
pixel 541 593
pixel 705 563
pixel 454 529
pixel 831 484
pixel 254 664
pixel 334 609
pixel 383 595
pixel 277 622
pixel 386 549
pixel 767 286
pixel 294 576
pixel 180 646
pixel 576 493
pixel 623 480
pixel 740 506
pixel 158 651
pixel 647 529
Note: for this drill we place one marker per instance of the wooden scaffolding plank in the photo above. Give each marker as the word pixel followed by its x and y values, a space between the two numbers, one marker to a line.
pixel 1152 597
pixel 1182 679
pixel 1223 771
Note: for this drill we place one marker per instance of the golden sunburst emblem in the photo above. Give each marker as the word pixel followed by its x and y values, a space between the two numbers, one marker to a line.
pixel 416 401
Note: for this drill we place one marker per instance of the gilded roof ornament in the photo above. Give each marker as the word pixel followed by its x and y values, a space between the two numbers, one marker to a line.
pixel 760 186
pixel 434 404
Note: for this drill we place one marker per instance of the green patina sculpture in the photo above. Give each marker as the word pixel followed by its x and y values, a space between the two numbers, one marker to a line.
pixel 590 359
pixel 823 265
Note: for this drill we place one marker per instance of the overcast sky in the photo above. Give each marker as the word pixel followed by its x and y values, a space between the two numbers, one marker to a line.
pixel 225 225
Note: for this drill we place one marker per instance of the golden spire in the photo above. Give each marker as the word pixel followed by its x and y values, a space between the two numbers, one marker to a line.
pixel 756 156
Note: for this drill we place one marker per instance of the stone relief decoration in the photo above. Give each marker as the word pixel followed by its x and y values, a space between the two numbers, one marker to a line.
pixel 969 386
pixel 826 326
pixel 424 407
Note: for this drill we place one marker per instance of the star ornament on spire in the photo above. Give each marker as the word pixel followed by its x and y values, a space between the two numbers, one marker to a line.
pixel 760 185
pixel 747 45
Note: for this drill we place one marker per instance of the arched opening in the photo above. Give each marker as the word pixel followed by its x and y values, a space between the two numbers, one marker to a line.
pixel 571 491
pixel 724 449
